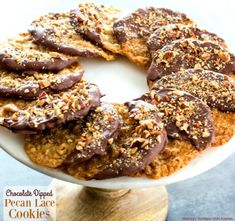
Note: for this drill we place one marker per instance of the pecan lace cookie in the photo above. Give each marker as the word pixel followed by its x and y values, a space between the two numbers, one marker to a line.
pixel 190 128
pixel 29 87
pixel 101 128
pixel 50 110
pixel 57 32
pixel 76 142
pixel 215 89
pixel 133 31
pixel 190 53
pixel 166 34
pixel 22 54
pixel 142 137
pixel 184 116
pixel 95 23
pixel 178 153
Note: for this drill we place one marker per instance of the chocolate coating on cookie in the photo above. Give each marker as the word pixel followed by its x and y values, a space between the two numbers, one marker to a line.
pixel 184 116
pixel 49 111
pixel 133 31
pixel 142 137
pixel 101 128
pixel 29 87
pixel 191 53
pixel 95 23
pixel 57 32
pixel 143 22
pixel 23 55
pixel 215 89
pixel 166 34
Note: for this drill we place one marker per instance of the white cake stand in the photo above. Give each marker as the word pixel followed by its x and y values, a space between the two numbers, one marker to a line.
pixel 125 198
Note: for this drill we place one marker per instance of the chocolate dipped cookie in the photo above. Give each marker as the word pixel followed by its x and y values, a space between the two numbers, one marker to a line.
pixel 48 110
pixel 215 89
pixel 56 32
pixel 31 86
pixel 178 153
pixel 95 23
pixel 101 129
pixel 191 53
pixel 185 117
pixel 21 54
pixel 133 31
pixel 166 34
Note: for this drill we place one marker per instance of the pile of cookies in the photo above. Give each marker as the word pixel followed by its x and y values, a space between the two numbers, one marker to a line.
pixel 189 107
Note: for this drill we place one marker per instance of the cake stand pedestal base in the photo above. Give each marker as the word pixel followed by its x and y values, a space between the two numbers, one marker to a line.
pixel 77 203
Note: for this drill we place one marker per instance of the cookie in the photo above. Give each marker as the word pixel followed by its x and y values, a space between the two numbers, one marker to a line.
pixel 56 32
pixel 48 111
pixel 178 153
pixel 215 89
pixel 190 53
pixel 133 31
pixel 166 34
pixel 101 128
pixel 184 116
pixel 141 138
pixel 29 87
pixel 22 54
pixel 95 23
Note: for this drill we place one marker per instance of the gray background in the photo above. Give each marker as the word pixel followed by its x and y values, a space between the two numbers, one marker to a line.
pixel 209 195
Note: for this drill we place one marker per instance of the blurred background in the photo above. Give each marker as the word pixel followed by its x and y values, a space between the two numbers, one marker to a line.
pixel 210 195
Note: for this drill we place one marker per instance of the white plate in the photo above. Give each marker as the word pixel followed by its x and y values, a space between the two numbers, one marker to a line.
pixel 120 80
